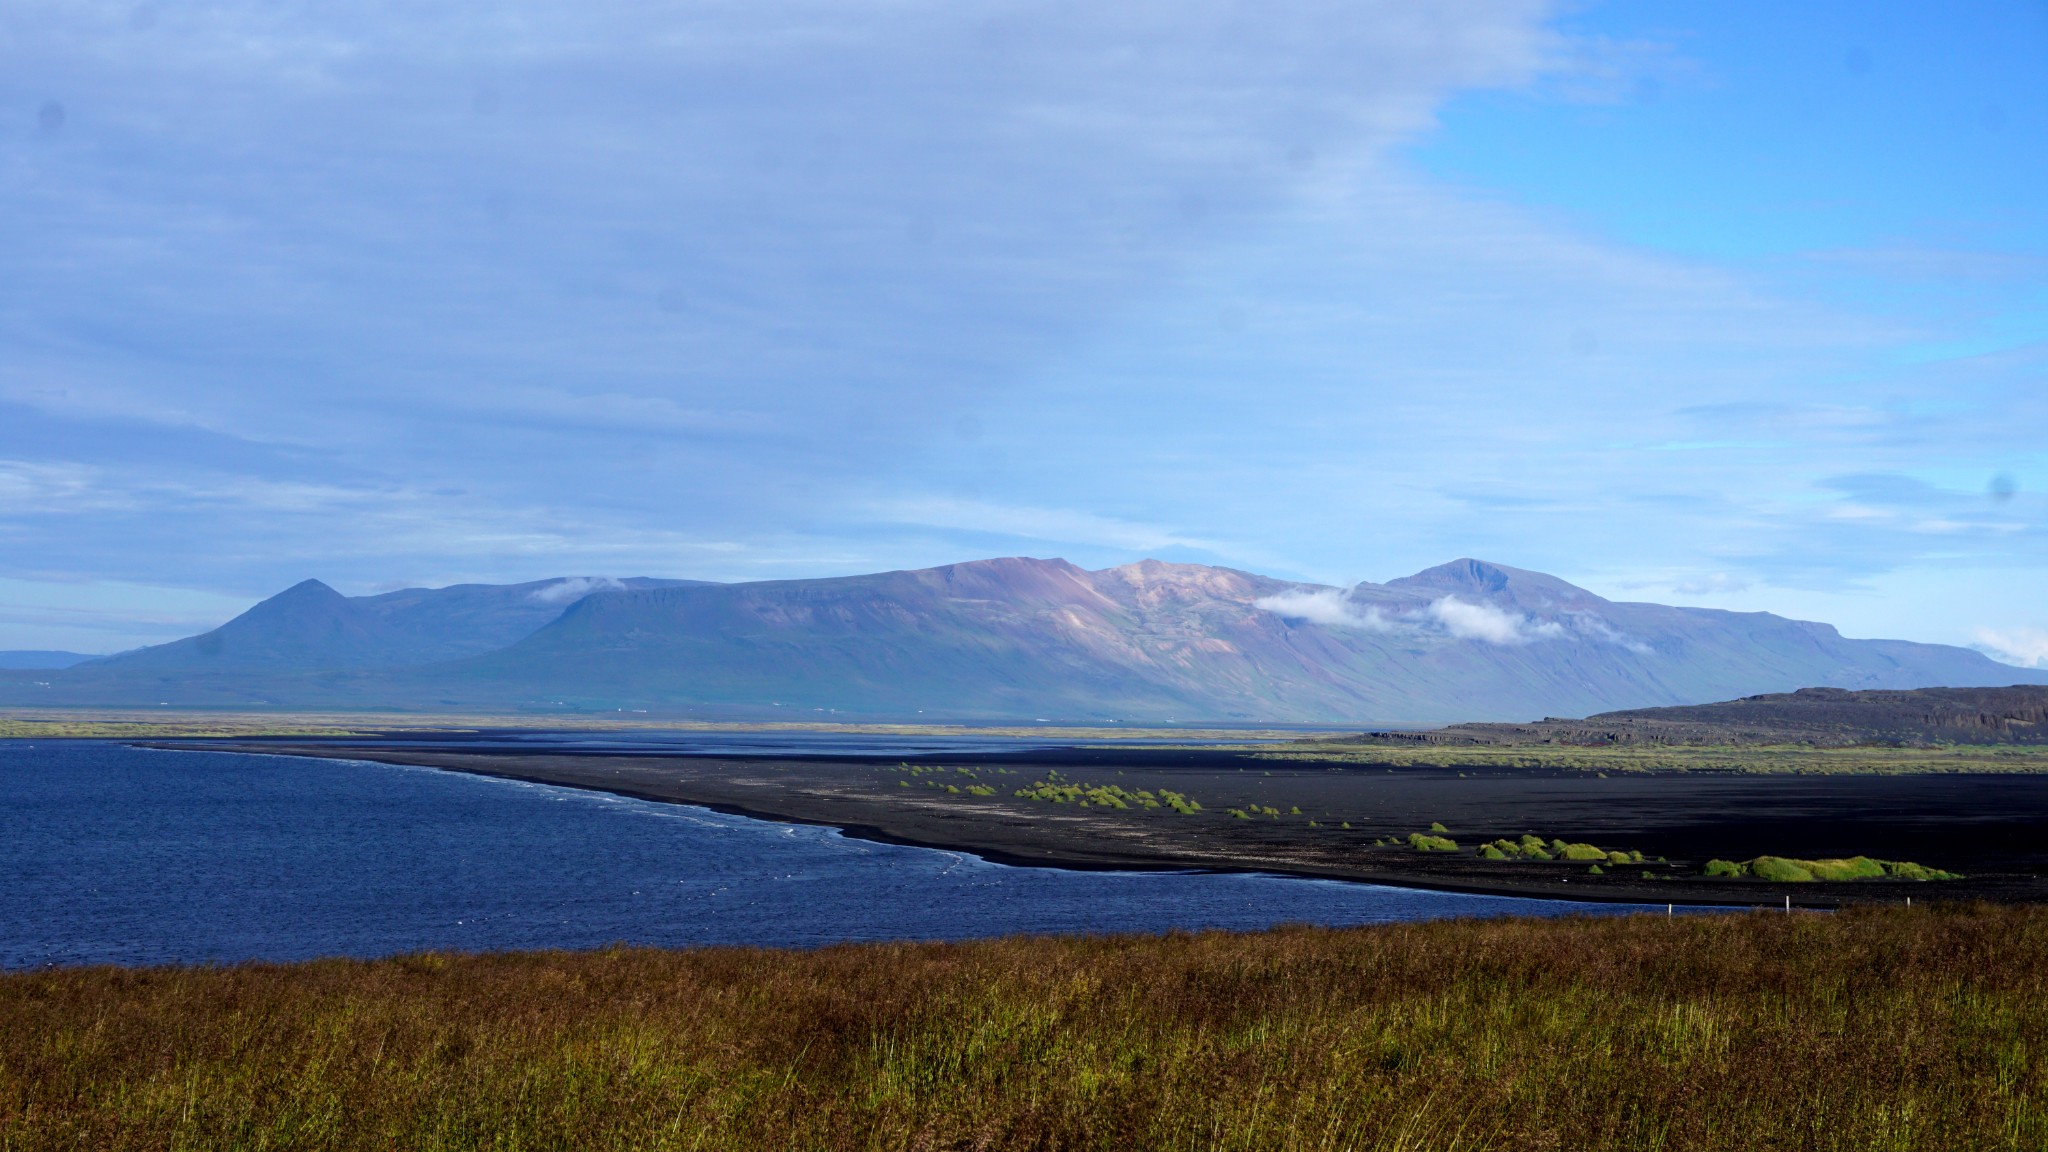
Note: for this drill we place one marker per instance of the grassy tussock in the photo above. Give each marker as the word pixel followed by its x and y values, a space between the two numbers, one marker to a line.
pixel 1864 1030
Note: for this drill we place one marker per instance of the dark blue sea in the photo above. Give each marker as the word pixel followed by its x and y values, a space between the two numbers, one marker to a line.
pixel 113 854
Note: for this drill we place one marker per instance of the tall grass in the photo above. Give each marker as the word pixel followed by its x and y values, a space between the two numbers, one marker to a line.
pixel 1866 1029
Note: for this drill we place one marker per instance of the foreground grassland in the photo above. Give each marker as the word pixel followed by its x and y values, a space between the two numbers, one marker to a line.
pixel 1795 758
pixel 1863 1030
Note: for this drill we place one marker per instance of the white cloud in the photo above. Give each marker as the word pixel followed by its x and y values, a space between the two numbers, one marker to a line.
pixel 574 588
pixel 1458 619
pixel 1468 621
pixel 1325 606
pixel 2026 647
pixel 1587 624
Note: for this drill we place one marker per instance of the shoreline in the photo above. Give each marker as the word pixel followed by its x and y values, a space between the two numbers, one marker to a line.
pixel 877 835
pixel 852 795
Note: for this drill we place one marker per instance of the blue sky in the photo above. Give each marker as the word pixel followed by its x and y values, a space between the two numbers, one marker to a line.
pixel 1734 304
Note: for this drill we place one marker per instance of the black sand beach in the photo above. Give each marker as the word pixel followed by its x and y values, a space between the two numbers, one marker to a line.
pixel 1989 828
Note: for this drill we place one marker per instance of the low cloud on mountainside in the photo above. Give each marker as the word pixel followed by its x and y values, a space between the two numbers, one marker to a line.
pixel 574 588
pixel 1449 616
pixel 1325 606
pixel 1466 621
pixel 2025 647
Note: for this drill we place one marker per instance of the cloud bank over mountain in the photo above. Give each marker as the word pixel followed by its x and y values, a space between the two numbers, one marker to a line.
pixel 419 295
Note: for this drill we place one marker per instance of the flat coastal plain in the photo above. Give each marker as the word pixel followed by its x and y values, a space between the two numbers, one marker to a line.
pixel 1258 810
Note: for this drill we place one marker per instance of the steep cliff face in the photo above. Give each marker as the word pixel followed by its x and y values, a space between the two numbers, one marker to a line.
pixel 1013 638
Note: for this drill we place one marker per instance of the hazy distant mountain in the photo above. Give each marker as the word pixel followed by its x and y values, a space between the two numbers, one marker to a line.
pixel 37 658
pixel 1016 638
pixel 309 645
pixel 311 627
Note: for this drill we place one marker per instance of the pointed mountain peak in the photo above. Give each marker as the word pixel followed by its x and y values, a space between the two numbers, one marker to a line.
pixel 1462 575
pixel 1484 580
pixel 310 590
pixel 306 598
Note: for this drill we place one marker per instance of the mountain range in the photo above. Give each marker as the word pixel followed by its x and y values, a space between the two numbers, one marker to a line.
pixel 1005 639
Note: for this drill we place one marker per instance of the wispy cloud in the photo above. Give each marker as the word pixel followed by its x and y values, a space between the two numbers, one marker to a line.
pixel 2026 647
pixel 1587 624
pixel 574 588
pixel 1328 607
pixel 1447 616
pixel 1464 620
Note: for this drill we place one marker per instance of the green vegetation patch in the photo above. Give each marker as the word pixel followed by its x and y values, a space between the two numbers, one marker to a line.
pixel 1784 870
pixel 1534 847
pixel 1053 790
pixel 1424 842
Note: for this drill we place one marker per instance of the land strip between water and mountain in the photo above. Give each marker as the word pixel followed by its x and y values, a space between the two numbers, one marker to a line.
pixel 1842 796
pixel 1643 837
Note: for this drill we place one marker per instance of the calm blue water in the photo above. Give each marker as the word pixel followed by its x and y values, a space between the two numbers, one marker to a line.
pixel 110 854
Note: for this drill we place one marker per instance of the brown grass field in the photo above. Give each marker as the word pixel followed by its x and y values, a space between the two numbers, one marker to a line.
pixel 1868 1029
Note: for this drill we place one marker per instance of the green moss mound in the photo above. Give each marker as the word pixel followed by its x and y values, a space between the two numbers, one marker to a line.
pixel 1785 870
pixel 1854 868
pixel 1424 842
pixel 1053 790
pixel 1534 847
pixel 1779 870
pixel 1907 870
